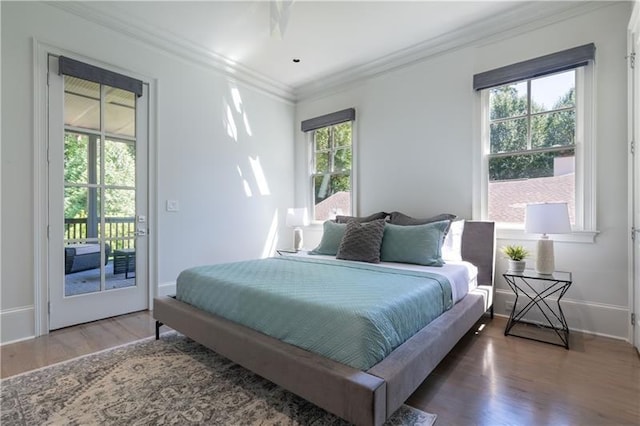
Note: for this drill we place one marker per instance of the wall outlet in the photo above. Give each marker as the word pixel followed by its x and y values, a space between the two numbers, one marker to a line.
pixel 173 206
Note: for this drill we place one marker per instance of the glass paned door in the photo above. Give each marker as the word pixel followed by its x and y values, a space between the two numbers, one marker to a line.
pixel 97 192
pixel 100 187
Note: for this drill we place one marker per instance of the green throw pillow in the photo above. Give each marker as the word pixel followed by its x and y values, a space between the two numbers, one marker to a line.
pixel 331 238
pixel 416 244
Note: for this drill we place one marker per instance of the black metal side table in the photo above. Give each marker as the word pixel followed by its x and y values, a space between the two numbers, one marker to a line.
pixel 284 252
pixel 523 284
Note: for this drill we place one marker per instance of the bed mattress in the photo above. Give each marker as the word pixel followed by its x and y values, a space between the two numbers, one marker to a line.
pixel 462 275
pixel 350 312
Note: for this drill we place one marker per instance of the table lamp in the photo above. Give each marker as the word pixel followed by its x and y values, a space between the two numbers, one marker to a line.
pixel 546 218
pixel 296 219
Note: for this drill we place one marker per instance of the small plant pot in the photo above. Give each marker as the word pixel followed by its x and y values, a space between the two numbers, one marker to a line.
pixel 517 266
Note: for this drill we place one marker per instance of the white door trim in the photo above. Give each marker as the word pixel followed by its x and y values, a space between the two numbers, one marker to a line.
pixel 633 107
pixel 41 50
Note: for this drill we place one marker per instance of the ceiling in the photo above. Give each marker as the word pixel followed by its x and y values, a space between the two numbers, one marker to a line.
pixel 327 36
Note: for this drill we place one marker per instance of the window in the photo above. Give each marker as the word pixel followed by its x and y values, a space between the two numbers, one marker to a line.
pixel 331 176
pixel 331 164
pixel 531 158
pixel 536 140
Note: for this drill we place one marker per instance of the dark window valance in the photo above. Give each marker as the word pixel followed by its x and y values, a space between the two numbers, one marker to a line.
pixel 73 68
pixel 548 64
pixel 328 119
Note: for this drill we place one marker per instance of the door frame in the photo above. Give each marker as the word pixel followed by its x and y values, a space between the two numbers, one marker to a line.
pixel 633 125
pixel 41 52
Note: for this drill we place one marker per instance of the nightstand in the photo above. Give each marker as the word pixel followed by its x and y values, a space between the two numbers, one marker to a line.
pixel 536 289
pixel 282 252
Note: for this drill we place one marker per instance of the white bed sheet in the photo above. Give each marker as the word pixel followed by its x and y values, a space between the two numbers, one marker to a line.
pixel 462 275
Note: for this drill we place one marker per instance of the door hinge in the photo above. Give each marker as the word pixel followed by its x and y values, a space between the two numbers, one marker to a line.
pixel 632 147
pixel 49 308
pixel 47 232
pixel 633 319
pixel 632 59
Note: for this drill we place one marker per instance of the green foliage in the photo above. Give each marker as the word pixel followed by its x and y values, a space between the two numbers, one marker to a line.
pixel 119 170
pixel 327 185
pixel 547 130
pixel 333 159
pixel 515 252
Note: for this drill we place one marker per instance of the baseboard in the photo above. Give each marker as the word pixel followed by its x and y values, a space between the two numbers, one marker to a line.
pixel 588 317
pixel 17 324
pixel 166 289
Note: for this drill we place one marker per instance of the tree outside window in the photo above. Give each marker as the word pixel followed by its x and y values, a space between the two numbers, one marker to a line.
pixel 532 128
pixel 331 176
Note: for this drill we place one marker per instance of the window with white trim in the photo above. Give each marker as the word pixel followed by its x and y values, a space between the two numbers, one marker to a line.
pixel 536 139
pixel 331 164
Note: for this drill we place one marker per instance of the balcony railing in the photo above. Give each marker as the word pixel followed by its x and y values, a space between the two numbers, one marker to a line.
pixel 119 231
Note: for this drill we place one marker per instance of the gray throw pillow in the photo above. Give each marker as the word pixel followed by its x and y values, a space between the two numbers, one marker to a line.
pixel 331 237
pixel 375 216
pixel 362 241
pixel 417 244
pixel 398 218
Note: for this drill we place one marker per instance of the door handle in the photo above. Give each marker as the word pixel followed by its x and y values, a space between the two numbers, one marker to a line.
pixel 140 233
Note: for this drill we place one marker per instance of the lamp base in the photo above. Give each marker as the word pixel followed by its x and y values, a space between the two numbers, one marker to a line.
pixel 297 239
pixel 545 264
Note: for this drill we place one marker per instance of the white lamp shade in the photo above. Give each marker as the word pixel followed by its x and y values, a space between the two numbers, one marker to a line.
pixel 547 218
pixel 297 217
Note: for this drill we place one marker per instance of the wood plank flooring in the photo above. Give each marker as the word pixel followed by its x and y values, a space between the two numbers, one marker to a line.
pixel 67 343
pixel 488 379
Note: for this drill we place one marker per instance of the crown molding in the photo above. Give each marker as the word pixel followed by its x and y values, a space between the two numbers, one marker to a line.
pixel 177 46
pixel 634 21
pixel 518 20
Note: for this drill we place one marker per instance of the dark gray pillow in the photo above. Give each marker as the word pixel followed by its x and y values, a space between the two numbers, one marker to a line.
pixel 398 218
pixel 375 216
pixel 362 241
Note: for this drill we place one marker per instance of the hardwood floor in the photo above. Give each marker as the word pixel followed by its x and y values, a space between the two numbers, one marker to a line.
pixel 67 343
pixel 488 379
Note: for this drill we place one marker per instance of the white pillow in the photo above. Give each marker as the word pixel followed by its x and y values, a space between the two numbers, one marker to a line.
pixel 452 246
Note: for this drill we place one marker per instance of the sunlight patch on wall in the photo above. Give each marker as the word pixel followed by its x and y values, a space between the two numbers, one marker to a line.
pixel 247 188
pixel 237 103
pixel 230 124
pixel 272 237
pixel 247 127
pixel 237 100
pixel 258 174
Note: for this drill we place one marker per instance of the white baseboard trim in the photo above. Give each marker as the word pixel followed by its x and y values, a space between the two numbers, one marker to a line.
pixel 166 289
pixel 586 317
pixel 17 324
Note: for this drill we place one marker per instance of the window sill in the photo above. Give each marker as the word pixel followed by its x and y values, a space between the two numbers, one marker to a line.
pixel 505 232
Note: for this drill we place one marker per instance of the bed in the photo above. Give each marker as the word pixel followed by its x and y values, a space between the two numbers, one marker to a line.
pixel 364 394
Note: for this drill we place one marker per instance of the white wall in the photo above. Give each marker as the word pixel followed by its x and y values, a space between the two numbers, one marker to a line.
pixel 198 162
pixel 415 142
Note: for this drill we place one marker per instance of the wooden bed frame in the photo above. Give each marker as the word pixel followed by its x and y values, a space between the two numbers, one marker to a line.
pixel 360 397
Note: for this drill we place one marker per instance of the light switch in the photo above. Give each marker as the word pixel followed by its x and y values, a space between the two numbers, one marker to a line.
pixel 173 206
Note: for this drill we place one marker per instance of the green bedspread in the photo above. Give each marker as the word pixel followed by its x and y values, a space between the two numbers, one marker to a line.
pixel 352 313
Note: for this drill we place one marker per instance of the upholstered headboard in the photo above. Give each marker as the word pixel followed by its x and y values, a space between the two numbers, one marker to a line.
pixel 479 248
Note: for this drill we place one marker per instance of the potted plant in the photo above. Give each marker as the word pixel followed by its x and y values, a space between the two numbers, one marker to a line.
pixel 516 255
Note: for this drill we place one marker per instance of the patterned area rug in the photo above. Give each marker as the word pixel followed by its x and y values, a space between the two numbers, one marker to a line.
pixel 170 381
